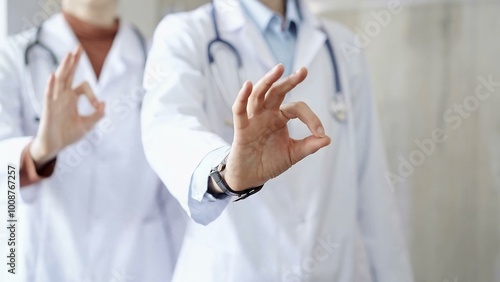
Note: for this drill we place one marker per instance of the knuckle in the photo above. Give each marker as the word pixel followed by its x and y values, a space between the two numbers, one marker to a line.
pixel 316 123
pixel 285 107
pixel 238 107
pixel 274 90
pixel 235 108
pixel 301 105
pixel 292 82
pixel 57 76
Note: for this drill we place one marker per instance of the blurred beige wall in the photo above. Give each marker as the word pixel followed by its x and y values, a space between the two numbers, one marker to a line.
pixel 147 14
pixel 425 63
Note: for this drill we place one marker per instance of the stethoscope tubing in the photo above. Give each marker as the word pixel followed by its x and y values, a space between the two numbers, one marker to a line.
pixel 337 108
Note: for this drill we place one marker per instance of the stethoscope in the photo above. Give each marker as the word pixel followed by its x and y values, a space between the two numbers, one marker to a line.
pixel 55 62
pixel 337 105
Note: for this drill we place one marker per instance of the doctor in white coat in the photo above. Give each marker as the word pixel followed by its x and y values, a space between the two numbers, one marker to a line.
pixel 331 216
pixel 98 212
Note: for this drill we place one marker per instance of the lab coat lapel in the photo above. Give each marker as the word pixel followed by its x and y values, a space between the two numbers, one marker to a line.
pixel 126 52
pixel 237 28
pixel 258 46
pixel 59 37
pixel 114 66
pixel 309 42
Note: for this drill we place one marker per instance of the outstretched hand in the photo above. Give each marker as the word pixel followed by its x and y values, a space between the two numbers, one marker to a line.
pixel 61 124
pixel 262 148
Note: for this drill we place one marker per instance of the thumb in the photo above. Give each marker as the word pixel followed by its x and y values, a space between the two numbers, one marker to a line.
pixel 308 146
pixel 91 120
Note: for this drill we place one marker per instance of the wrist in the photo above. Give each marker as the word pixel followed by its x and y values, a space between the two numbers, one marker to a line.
pixel 234 184
pixel 41 153
pixel 218 183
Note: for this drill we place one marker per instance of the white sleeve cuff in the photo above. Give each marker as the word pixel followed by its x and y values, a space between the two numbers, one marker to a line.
pixel 204 207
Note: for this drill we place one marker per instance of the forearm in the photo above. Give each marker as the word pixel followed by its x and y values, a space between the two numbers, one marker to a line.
pixel 179 151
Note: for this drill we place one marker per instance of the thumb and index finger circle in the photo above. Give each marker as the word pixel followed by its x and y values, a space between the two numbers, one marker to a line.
pixel 304 113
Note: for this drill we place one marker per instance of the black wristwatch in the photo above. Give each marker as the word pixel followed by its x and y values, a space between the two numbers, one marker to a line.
pixel 227 191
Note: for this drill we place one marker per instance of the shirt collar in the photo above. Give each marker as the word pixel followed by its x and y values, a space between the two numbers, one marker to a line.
pixel 263 16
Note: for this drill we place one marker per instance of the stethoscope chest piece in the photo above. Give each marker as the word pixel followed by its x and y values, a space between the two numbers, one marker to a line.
pixel 338 109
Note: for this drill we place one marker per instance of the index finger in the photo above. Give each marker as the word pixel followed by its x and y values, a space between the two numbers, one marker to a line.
pixel 280 89
pixel 74 64
pixel 62 71
pixel 240 117
pixel 263 85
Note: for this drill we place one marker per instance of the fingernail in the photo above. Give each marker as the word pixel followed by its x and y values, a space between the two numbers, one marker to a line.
pixel 321 131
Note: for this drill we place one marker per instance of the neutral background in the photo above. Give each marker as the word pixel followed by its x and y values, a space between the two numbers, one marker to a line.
pixel 425 60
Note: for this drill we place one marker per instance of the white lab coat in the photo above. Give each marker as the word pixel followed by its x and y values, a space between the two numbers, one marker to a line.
pixel 331 217
pixel 104 215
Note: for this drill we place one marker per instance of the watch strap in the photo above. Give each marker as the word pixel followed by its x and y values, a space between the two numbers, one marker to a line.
pixel 215 174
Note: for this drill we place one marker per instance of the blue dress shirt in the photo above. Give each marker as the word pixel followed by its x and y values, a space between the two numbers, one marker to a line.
pixel 280 33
